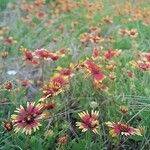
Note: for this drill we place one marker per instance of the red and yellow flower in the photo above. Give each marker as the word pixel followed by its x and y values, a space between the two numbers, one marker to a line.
pixel 89 121
pixel 116 129
pixel 28 118
pixel 8 125
pixel 56 85
pixel 8 40
pixel 111 53
pixel 96 53
pixel 133 33
pixel 94 71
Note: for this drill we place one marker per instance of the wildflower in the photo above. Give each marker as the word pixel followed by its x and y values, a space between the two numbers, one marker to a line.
pixel 8 85
pixel 40 15
pixel 96 53
pixel 147 57
pixel 53 56
pixel 39 2
pixel 49 105
pixel 4 55
pixel 42 53
pixel 58 81
pixel 26 7
pixel 84 38
pixel 67 72
pixel 94 70
pixel 101 86
pixel 111 53
pixel 133 33
pixel 48 91
pixel 8 40
pixel 95 39
pixel 77 66
pixel 130 74
pixel 111 66
pixel 8 125
pixel 124 109
pixel 90 38
pixel 62 51
pixel 117 129
pixel 4 30
pixel 63 139
pixel 141 65
pixel 28 55
pixel 108 20
pixel 112 76
pixel 123 32
pixel 25 82
pixel 56 85
pixel 88 121
pixel 46 54
pixel 27 119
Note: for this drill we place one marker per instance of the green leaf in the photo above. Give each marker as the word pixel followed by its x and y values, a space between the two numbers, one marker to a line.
pixel 36 143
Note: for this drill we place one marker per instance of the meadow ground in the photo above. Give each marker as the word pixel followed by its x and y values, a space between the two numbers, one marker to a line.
pixel 75 74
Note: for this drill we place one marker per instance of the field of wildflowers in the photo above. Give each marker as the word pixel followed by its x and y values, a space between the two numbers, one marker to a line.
pixel 74 75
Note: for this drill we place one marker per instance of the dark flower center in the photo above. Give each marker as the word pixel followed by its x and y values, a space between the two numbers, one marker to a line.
pixel 29 119
pixel 132 33
pixel 123 128
pixel 8 126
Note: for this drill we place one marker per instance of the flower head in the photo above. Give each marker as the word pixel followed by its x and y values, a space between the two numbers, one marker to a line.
pixel 8 125
pixel 8 85
pixel 117 129
pixel 25 83
pixel 133 33
pixel 63 139
pixel 46 54
pixel 27 119
pixel 96 53
pixel 111 53
pixel 8 40
pixel 4 54
pixel 88 121
pixel 42 53
pixel 94 71
pixel 56 85
pixel 124 109
pixel 108 20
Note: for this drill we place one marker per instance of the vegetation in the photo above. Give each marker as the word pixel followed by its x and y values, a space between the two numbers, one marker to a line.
pixel 74 75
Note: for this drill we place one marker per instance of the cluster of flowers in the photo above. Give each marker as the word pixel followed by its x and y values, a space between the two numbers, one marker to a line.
pixel 138 14
pixel 91 7
pixel 133 33
pixel 28 119
pixel 37 12
pixel 90 121
pixel 4 31
pixel 142 62
pixel 93 36
pixel 39 54
pixel 64 6
pixel 58 83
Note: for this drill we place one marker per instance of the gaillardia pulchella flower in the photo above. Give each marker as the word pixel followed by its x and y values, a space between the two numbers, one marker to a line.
pixel 28 119
pixel 8 125
pixel 88 121
pixel 117 129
